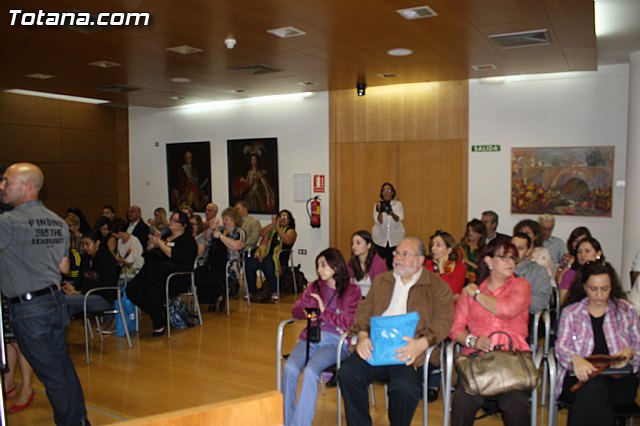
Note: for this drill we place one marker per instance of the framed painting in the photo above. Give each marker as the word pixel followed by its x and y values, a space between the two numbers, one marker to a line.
pixel 253 174
pixel 571 181
pixel 189 175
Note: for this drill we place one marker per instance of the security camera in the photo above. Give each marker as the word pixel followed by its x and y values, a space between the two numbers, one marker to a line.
pixel 230 42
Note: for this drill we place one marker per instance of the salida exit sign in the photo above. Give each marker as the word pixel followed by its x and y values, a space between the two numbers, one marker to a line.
pixel 485 148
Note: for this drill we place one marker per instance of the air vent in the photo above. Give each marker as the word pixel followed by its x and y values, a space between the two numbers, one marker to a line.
pixel 484 67
pixel 389 75
pixel 286 32
pixel 521 39
pixel 119 88
pixel 418 12
pixel 254 69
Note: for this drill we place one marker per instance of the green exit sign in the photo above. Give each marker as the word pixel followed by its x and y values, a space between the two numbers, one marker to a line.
pixel 485 148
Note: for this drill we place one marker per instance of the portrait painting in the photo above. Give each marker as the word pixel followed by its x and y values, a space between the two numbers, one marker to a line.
pixel 253 174
pixel 571 181
pixel 189 175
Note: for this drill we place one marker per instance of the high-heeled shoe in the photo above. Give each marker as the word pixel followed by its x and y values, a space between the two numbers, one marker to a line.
pixel 16 408
pixel 11 392
pixel 158 333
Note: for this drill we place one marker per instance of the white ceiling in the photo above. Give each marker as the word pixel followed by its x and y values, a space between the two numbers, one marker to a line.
pixel 617 30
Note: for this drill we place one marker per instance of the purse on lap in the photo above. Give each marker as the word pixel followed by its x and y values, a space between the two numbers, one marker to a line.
pixel 497 372
pixel 386 334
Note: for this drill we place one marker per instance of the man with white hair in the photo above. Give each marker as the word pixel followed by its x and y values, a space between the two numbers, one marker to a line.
pixel 555 245
pixel 34 244
pixel 409 288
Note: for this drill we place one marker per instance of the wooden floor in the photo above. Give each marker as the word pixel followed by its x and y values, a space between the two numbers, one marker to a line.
pixel 229 357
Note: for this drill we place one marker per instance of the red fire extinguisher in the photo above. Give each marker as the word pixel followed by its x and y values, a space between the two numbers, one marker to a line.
pixel 314 211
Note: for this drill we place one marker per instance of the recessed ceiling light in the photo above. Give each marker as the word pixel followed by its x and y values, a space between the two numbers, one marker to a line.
pixel 181 80
pixel 104 64
pixel 184 49
pixel 399 51
pixel 484 67
pixel 492 80
pixel 39 76
pixel 418 12
pixel 57 96
pixel 286 32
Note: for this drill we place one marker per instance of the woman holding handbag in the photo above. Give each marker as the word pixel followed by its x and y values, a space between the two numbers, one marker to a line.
pixel 500 303
pixel 331 301
pixel 596 321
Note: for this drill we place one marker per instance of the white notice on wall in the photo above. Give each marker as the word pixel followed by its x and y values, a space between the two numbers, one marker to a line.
pixel 301 187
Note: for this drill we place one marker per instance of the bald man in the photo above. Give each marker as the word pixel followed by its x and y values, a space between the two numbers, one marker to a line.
pixel 34 244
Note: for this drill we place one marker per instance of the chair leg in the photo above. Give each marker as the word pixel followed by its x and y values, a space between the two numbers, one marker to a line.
pixel 99 327
pixel 245 284
pixel 87 329
pixel 124 319
pixel 168 318
pixel 373 395
pixel 226 293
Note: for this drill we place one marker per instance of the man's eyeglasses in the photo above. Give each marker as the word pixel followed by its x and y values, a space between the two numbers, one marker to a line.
pixel 404 254
pixel 507 257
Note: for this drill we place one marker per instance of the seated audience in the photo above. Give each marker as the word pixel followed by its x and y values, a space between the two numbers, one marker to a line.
pixel 596 320
pixel 98 268
pixel 409 288
pixel 577 235
pixel 224 245
pixel 500 303
pixel 490 219
pixel 331 301
pixel 365 264
pixel 443 261
pixel 73 222
pixel 85 228
pixel 279 235
pixel 109 211
pixel 129 251
pixel 175 254
pixel 532 272
pixel 540 254
pixel 137 226
pixel 198 232
pixel 107 240
pixel 186 210
pixel 471 246
pixel 250 225
pixel 587 250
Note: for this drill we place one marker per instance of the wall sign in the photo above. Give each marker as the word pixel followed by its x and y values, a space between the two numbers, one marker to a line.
pixel 485 148
pixel 318 183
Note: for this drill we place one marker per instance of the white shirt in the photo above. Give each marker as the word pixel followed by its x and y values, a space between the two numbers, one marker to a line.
pixel 131 252
pixel 364 284
pixel 398 303
pixel 389 231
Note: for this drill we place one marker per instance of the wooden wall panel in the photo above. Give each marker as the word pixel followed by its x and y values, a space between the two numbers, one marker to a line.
pixel 413 135
pixel 82 149
pixel 361 169
pixel 432 185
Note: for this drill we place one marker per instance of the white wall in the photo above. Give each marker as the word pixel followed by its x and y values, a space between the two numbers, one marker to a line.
pixel 564 109
pixel 302 129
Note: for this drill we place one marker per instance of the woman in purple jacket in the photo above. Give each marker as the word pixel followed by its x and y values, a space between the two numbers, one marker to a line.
pixel 365 263
pixel 331 300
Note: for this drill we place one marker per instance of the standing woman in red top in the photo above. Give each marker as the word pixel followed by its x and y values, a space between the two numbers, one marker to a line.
pixel 443 261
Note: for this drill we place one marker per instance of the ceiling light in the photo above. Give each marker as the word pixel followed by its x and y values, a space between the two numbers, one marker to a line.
pixel 176 98
pixel 39 76
pixel 57 96
pixel 104 64
pixel 399 51
pixel 418 12
pixel 492 80
pixel 484 67
pixel 307 83
pixel 286 32
pixel 203 106
pixel 230 42
pixel 361 87
pixel 388 75
pixel 181 80
pixel 184 49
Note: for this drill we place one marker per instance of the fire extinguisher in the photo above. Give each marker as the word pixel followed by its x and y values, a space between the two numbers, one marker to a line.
pixel 314 211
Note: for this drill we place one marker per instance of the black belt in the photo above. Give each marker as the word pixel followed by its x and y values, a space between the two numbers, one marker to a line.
pixel 32 295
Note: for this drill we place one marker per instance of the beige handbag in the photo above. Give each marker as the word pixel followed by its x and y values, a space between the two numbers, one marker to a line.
pixel 497 372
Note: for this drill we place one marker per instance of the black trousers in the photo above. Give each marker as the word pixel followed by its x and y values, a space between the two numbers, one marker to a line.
pixel 387 254
pixel 594 403
pixel 404 390
pixel 513 405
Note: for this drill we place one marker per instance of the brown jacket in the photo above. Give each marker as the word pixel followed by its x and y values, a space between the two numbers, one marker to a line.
pixel 430 297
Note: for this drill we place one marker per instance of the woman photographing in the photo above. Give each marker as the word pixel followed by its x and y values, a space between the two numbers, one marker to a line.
pixel 597 320
pixel 388 230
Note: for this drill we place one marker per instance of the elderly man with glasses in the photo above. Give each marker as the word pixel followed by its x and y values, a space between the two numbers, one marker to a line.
pixel 408 288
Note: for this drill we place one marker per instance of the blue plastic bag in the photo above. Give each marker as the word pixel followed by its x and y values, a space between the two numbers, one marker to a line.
pixel 387 334
pixel 129 310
